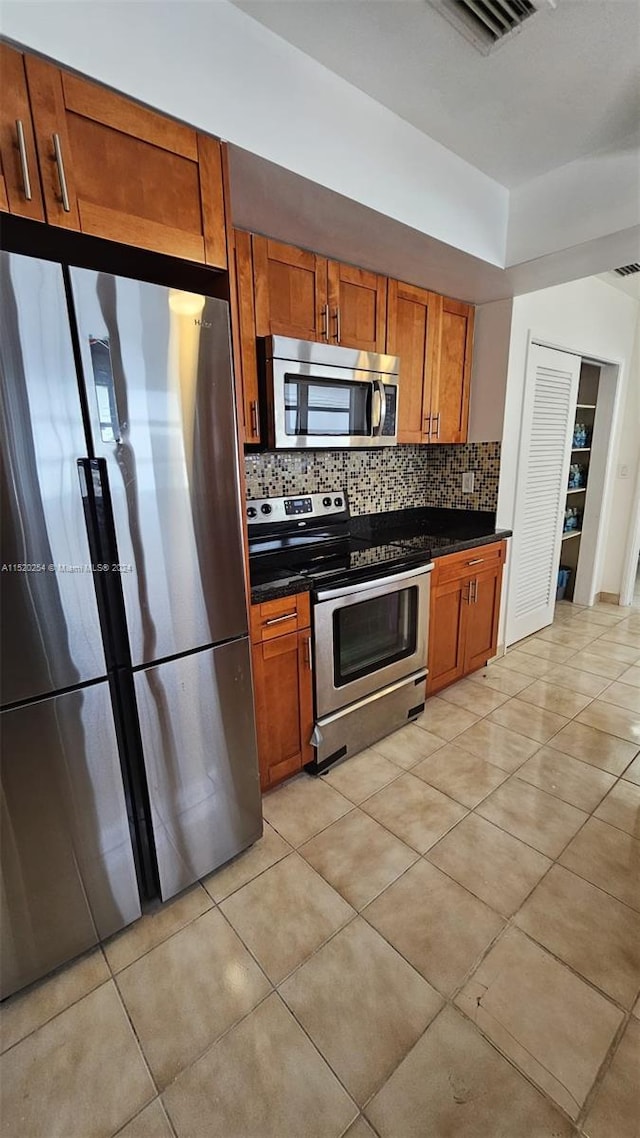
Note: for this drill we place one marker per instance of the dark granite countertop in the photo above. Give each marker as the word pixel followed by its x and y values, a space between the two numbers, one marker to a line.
pixel 436 531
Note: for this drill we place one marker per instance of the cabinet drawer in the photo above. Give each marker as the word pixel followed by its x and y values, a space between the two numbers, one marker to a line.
pixel 468 562
pixel 275 618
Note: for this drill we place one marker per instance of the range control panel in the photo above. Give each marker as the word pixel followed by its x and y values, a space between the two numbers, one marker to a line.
pixel 303 507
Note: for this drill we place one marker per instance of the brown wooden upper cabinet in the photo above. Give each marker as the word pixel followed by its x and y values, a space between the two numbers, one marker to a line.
pixel 307 297
pixel 433 337
pixel 290 291
pixel 357 303
pixel 20 191
pixel 112 168
pixel 450 388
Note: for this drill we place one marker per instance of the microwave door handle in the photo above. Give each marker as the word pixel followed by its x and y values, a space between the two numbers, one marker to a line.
pixel 382 404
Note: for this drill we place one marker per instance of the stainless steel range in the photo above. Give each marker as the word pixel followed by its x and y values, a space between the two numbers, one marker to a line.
pixel 370 612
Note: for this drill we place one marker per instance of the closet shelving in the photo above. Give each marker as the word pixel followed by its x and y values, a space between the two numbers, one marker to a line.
pixel 579 469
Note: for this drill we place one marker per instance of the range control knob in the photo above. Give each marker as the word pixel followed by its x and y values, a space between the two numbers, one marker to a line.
pixel 337 501
pixel 326 501
pixel 251 511
pixel 266 508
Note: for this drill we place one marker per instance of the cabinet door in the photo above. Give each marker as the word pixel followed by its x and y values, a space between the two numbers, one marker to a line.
pixel 19 179
pixel 284 705
pixel 482 613
pixel 452 376
pixel 290 291
pixel 449 603
pixel 114 169
pixel 247 364
pixel 357 308
pixel 412 335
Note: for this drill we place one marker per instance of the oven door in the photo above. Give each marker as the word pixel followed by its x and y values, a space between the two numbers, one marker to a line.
pixel 369 635
pixel 315 405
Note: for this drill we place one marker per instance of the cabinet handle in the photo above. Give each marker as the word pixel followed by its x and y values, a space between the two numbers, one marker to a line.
pixel 57 154
pixel 325 322
pixel 279 619
pixel 437 419
pixel 427 419
pixel 474 597
pixel 22 150
pixel 337 320
pixel 253 411
pixel 308 657
pixel 476 561
pixel 467 598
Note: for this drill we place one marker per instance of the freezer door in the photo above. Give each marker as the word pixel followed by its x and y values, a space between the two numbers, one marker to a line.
pixel 198 736
pixel 50 628
pixel 68 877
pixel 157 369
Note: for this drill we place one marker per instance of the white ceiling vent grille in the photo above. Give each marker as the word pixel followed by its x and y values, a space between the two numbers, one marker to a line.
pixel 627 270
pixel 488 23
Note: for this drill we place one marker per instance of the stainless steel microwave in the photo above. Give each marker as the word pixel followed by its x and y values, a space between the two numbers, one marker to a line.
pixel 322 395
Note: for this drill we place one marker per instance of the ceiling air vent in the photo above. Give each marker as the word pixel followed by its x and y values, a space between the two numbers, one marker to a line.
pixel 627 270
pixel 489 23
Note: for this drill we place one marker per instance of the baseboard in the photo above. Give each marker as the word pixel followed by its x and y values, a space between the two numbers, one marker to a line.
pixel 609 598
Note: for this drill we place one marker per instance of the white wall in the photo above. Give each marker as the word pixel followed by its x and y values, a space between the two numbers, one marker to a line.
pixel 212 65
pixel 627 454
pixel 590 318
pixel 575 204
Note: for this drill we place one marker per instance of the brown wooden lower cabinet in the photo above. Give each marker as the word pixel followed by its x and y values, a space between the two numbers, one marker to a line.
pixel 283 687
pixel 464 613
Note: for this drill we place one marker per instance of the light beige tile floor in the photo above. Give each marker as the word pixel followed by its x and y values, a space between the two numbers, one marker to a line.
pixel 440 937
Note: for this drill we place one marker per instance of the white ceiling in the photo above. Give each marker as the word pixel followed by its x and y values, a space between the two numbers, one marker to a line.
pixel 566 86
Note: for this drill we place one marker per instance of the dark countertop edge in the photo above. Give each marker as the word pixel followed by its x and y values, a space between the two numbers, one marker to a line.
pixel 457 546
pixel 274 590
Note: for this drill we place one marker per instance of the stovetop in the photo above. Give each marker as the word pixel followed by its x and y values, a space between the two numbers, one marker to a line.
pixel 310 537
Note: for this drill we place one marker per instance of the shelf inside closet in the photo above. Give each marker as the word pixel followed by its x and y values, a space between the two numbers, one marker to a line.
pixel 586 409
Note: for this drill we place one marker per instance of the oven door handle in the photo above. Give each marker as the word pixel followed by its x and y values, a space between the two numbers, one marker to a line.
pixel 378 428
pixel 365 586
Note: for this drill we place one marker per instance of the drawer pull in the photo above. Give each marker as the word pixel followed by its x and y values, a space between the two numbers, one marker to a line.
pixel 22 150
pixel 476 561
pixel 279 619
pixel 57 154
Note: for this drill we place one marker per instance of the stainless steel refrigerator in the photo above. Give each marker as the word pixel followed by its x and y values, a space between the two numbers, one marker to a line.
pixel 129 765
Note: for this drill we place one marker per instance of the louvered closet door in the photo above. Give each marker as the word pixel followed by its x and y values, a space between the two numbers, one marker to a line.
pixel 550 395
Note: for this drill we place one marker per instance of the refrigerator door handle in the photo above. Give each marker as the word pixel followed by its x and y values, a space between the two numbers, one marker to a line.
pixel 105 567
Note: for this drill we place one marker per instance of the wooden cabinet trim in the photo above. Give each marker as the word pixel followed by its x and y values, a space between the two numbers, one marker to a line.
pixel 95 220
pixel 209 157
pixel 245 350
pixel 93 101
pixel 15 106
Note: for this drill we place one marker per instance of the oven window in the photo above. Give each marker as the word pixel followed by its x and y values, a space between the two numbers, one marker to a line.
pixel 368 635
pixel 326 406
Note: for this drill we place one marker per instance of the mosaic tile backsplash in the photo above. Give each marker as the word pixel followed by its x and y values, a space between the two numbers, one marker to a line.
pixel 388 478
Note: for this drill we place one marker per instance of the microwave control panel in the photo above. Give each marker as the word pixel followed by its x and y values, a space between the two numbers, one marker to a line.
pixel 391 409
